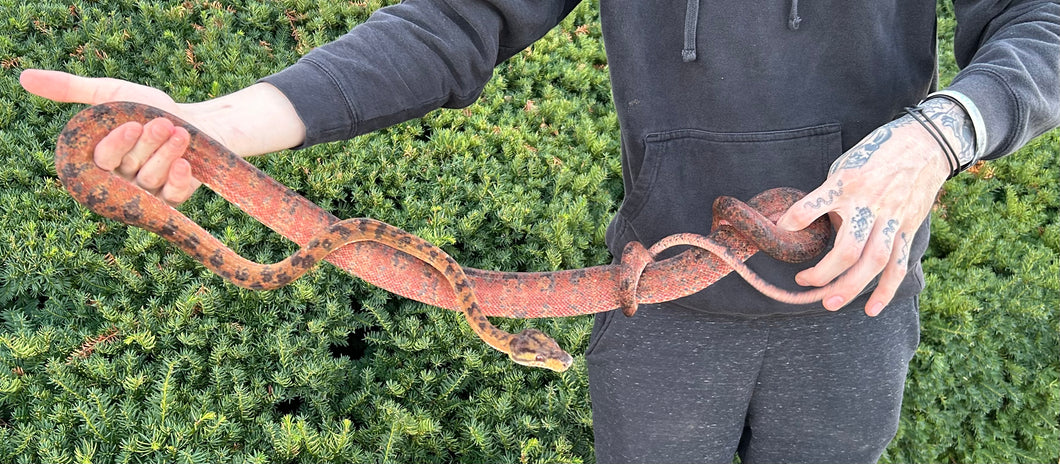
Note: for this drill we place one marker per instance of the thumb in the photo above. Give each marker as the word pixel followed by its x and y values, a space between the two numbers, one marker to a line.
pixel 798 217
pixel 58 86
pixel 69 88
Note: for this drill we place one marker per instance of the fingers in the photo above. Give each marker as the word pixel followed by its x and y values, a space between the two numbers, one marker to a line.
pixel 892 275
pixel 128 148
pixel 154 173
pixel 867 245
pixel 155 137
pixel 863 249
pixel 110 151
pixel 850 244
pixel 149 155
pixel 886 255
pixel 181 184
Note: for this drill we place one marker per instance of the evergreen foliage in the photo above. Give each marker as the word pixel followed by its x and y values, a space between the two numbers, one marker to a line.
pixel 116 347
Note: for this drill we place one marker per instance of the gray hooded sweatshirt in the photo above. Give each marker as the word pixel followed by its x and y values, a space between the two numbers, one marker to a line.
pixel 713 98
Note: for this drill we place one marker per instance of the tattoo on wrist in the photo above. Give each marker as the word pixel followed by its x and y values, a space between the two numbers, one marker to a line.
pixel 956 125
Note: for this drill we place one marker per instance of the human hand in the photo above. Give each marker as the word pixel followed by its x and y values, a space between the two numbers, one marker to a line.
pixel 148 155
pixel 251 121
pixel 877 195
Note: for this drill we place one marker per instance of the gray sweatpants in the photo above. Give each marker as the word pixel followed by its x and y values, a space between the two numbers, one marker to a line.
pixel 676 385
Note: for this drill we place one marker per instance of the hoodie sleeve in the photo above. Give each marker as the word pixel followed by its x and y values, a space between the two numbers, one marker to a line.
pixel 409 59
pixel 1009 55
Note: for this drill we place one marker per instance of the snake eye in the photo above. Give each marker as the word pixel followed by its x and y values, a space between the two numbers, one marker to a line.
pixel 540 358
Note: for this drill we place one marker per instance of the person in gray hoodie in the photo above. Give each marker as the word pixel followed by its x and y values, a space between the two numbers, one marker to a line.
pixel 713 98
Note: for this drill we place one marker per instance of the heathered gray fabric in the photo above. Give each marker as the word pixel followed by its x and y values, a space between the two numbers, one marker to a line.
pixel 674 385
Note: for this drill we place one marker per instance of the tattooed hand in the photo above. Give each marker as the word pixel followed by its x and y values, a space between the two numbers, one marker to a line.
pixel 877 195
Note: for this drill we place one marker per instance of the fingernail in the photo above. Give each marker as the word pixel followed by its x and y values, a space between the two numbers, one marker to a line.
pixel 875 309
pixel 833 303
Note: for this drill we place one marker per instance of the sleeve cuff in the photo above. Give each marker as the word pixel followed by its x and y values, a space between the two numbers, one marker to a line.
pixel 1002 115
pixel 318 98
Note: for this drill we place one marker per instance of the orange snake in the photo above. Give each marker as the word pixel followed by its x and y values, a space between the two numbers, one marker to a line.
pixel 405 264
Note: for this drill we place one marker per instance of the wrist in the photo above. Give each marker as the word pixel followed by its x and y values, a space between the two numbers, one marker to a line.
pixel 253 121
pixel 933 149
pixel 935 146
pixel 953 123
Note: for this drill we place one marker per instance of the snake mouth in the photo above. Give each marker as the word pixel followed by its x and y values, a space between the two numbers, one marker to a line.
pixel 563 363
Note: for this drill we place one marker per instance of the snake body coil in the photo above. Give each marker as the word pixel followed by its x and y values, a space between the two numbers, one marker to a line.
pixel 402 263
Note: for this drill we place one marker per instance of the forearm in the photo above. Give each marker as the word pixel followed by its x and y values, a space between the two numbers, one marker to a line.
pixel 253 121
pixel 1009 53
pixel 409 59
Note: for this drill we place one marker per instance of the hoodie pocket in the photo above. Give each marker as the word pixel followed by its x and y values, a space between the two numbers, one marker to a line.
pixel 684 170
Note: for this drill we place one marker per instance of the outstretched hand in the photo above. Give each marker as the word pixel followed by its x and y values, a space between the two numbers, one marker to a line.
pixel 252 121
pixel 877 195
pixel 149 154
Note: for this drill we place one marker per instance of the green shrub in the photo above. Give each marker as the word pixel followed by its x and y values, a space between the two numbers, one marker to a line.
pixel 116 347
pixel 985 383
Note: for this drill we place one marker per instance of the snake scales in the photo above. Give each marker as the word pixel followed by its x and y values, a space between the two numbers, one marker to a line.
pixel 402 263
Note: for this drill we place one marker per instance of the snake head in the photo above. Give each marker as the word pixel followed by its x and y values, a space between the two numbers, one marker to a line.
pixel 533 348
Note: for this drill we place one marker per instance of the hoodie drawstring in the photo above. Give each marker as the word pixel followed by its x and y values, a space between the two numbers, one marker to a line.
pixel 793 18
pixel 688 53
